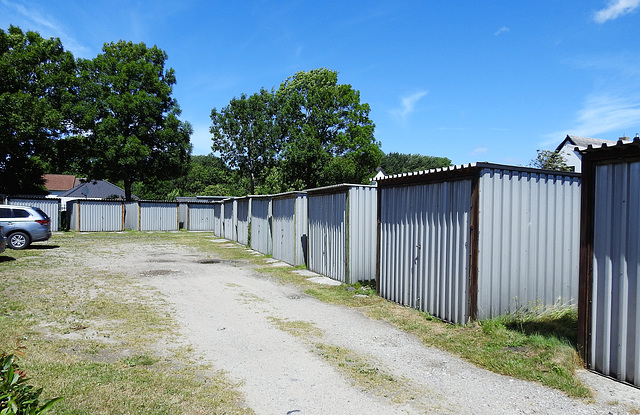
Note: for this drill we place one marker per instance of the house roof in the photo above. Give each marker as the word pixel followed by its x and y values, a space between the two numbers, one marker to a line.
pixel 95 189
pixel 577 141
pixel 56 182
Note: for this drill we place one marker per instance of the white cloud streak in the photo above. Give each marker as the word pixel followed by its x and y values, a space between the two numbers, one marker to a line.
pixel 408 104
pixel 500 31
pixel 615 9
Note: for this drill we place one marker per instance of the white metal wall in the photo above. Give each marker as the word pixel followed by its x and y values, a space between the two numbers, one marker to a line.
pixel 229 220
pixel 328 235
pixel 132 216
pixel 424 247
pixel 199 216
pixel 342 233
pixel 289 228
pixel 529 241
pixel 96 216
pixel 615 308
pixel 218 218
pixel 261 225
pixel 50 206
pixel 243 215
pixel 159 216
pixel 362 237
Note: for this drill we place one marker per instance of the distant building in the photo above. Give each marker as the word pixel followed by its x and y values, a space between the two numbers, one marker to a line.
pixel 59 183
pixel 95 189
pixel 572 157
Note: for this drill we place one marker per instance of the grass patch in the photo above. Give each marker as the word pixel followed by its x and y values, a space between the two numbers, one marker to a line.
pixel 98 338
pixel 536 346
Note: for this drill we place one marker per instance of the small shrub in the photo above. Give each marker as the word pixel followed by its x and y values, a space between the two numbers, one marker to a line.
pixel 16 397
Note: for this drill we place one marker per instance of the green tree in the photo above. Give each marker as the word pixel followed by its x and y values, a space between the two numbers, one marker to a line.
pixel 35 92
pixel 395 163
pixel 130 121
pixel 327 134
pixel 246 136
pixel 550 160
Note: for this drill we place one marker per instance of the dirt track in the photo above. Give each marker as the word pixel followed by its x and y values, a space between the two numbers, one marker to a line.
pixel 237 320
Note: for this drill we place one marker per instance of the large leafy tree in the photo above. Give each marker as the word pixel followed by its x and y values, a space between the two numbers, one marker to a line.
pixel 328 136
pixel 395 163
pixel 36 78
pixel 245 134
pixel 129 120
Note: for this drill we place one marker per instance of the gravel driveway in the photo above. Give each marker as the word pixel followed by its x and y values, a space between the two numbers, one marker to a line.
pixel 234 317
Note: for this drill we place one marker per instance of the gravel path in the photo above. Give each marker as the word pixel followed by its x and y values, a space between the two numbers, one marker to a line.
pixel 230 315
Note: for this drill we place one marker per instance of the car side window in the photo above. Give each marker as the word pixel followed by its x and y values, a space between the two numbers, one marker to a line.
pixel 5 213
pixel 19 213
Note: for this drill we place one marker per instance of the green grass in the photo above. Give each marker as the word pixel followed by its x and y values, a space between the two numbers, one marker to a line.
pixel 536 346
pixel 93 337
pixel 97 339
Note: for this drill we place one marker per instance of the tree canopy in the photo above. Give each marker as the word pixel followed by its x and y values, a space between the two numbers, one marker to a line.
pixel 327 135
pixel 130 121
pixel 550 160
pixel 35 79
pixel 310 132
pixel 395 163
pixel 246 135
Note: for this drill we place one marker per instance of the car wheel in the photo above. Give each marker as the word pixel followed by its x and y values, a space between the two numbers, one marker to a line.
pixel 18 240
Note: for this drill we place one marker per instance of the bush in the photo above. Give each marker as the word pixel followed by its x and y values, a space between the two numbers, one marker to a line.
pixel 16 397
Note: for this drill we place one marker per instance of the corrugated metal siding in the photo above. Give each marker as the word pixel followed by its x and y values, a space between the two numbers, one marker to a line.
pixel 49 206
pixel 615 308
pixel 529 230
pixel 199 216
pixel 218 218
pixel 159 216
pixel 362 238
pixel 132 216
pixel 243 210
pixel 229 221
pixel 424 257
pixel 328 235
pixel 97 216
pixel 290 229
pixel 261 225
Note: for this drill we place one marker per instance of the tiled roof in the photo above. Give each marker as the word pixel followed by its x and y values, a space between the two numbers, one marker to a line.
pixel 59 181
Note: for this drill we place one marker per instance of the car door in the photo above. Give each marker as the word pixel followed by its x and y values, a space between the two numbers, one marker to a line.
pixel 7 220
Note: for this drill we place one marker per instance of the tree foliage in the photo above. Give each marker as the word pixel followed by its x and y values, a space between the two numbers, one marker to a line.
pixel 35 79
pixel 395 163
pixel 129 120
pixel 327 134
pixel 246 135
pixel 550 160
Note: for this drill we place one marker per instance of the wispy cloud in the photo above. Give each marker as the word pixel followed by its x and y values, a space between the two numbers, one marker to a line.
pixel 34 19
pixel 408 104
pixel 615 9
pixel 602 116
pixel 500 31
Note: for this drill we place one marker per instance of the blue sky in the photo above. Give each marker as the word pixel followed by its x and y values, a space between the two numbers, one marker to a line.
pixel 469 80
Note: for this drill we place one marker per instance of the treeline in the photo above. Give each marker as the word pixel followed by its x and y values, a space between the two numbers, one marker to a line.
pixel 113 117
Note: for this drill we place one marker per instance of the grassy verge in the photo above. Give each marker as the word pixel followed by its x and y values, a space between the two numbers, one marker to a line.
pixel 95 337
pixel 538 347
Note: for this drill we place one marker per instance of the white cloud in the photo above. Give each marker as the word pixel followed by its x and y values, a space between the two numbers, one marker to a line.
pixel 502 30
pixel 32 19
pixel 615 9
pixel 408 104
pixel 602 116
